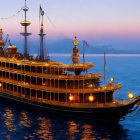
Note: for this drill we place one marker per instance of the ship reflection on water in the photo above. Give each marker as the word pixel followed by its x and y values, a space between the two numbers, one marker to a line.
pixel 19 123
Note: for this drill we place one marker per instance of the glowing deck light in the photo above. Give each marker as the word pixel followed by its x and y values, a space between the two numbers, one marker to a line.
pixel 0 85
pixel 71 98
pixel 112 79
pixel 44 84
pixel 90 85
pixel 130 95
pixel 91 98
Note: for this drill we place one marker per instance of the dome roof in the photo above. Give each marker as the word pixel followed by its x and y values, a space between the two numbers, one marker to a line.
pixel 11 47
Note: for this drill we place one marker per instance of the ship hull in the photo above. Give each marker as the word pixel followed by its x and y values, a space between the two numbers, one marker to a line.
pixel 113 114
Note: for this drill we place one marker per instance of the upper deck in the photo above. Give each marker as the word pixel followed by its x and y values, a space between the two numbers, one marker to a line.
pixel 51 69
pixel 52 64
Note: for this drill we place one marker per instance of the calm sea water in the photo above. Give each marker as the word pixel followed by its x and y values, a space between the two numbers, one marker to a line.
pixel 20 122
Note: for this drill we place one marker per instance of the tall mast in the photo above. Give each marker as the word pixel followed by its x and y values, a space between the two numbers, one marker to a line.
pixel 25 23
pixel 104 69
pixel 41 56
pixel 83 52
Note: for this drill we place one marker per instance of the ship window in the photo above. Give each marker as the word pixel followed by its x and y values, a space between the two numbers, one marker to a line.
pixel 39 69
pixel 27 92
pixel 52 82
pixel 3 64
pixel 56 83
pixel 11 75
pixel 19 90
pixel 48 95
pixel 15 66
pixel 27 68
pixel 44 82
pixel 11 65
pixel 23 78
pixel 11 87
pixel 33 93
pixel 19 77
pixel 19 67
pixel 33 80
pixel 45 70
pixel 15 88
pixel 22 90
pixel 15 76
pixel 27 79
pixel 22 67
pixel 7 75
pixel 44 95
pixel 32 68
pixel 7 65
pixel 3 73
pixel 62 97
pixel 39 94
pixel 4 85
pixel 39 81
pixel 7 86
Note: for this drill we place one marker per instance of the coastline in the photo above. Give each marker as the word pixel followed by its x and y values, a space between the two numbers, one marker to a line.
pixel 125 55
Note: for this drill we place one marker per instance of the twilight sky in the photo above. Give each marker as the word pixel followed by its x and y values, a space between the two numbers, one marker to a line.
pixel 110 22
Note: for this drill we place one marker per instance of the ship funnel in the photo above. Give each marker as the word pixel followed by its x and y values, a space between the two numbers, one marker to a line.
pixel 12 50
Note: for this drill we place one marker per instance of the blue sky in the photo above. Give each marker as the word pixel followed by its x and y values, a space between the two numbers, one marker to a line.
pixel 115 22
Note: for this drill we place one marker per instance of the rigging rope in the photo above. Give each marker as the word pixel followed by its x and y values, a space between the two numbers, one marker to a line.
pixel 55 26
pixel 12 15
pixel 47 18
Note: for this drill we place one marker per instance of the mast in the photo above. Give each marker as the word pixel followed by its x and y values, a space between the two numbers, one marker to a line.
pixel 104 68
pixel 41 56
pixel 84 43
pixel 25 23
pixel 83 52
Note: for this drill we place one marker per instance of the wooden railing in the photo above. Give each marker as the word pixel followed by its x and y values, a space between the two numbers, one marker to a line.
pixel 59 103
pixel 51 64
pixel 61 77
pixel 61 90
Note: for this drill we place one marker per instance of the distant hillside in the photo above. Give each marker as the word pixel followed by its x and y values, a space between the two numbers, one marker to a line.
pixel 65 47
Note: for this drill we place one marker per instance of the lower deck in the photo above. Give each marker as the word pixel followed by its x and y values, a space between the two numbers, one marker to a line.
pixel 109 111
pixel 47 96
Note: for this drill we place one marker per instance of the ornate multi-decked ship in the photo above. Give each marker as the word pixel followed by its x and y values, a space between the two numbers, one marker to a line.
pixel 68 88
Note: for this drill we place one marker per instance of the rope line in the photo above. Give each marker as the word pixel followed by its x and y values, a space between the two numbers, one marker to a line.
pixel 55 26
pixel 12 15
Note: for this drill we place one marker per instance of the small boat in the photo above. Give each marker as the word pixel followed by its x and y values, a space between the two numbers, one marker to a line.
pixel 67 88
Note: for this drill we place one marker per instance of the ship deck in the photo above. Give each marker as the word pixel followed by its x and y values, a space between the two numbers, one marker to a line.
pixel 52 64
pixel 67 104
pixel 62 90
pixel 52 76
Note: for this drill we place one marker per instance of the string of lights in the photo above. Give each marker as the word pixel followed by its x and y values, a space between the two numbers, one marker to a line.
pixel 12 15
